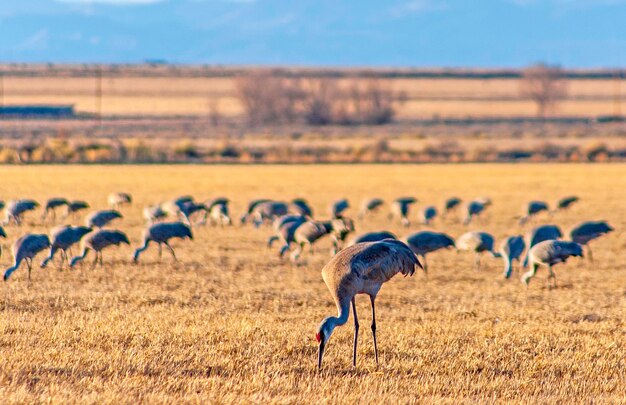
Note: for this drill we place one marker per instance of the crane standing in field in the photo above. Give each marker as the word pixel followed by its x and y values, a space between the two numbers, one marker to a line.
pixel 309 232
pixel 475 209
pixel 154 213
pixel 531 209
pixel 300 206
pixel 116 200
pixel 511 249
pixel 250 211
pixel 428 214
pixel 3 234
pixel 97 241
pixel 285 229
pixel 74 206
pixel 99 219
pixel 400 209
pixel 15 209
pixel 25 249
pixel 370 205
pixel 548 253
pixel 338 208
pixel 161 233
pixel 218 211
pixel 361 269
pixel 451 204
pixel 268 211
pixel 478 242
pixel 63 238
pixel 539 234
pixel 566 202
pixel 425 242
pixel 587 231
pixel 51 205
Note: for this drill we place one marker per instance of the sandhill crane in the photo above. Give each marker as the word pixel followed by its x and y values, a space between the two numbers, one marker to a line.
pixel 587 231
pixel 372 237
pixel 539 234
pixel 370 205
pixel 309 232
pixel 75 206
pixel 428 214
pixel 218 211
pixel 511 249
pixel 63 238
pixel 3 234
pixel 338 208
pixel 51 205
pixel 249 212
pixel 475 208
pixel 154 213
pixel 476 242
pixel 99 219
pixel 531 209
pixel 300 206
pixel 25 249
pixel 361 269
pixel 425 242
pixel 451 204
pixel 566 202
pixel 161 233
pixel 116 200
pixel 15 209
pixel 97 241
pixel 268 211
pixel 2 204
pixel 548 253
pixel 285 229
pixel 400 209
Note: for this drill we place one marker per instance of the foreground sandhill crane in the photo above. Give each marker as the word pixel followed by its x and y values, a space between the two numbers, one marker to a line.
pixel 97 241
pixel 531 209
pixel 338 208
pixel 428 214
pixel 372 237
pixel 424 242
pixel 285 229
pixel 451 204
pixel 15 209
pixel 63 238
pixel 51 205
pixel 268 211
pixel 361 269
pixel 154 213
pixel 539 234
pixel 247 216
pixel 477 242
pixel 74 206
pixel 548 253
pixel 475 208
pixel 100 219
pixel 116 200
pixel 25 249
pixel 566 202
pixel 369 206
pixel 400 209
pixel 300 206
pixel 3 234
pixel 161 234
pixel 511 249
pixel 311 231
pixel 587 231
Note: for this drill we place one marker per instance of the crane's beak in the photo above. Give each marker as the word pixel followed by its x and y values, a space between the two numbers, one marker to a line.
pixel 320 354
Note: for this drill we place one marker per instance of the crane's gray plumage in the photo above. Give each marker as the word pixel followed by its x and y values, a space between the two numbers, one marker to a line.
pixel 51 205
pixel 161 234
pixel 154 213
pixel 372 237
pixel 217 209
pixel 97 241
pixel 15 209
pixel 531 209
pixel 3 234
pixel 361 269
pixel 424 242
pixel 300 206
pixel 285 229
pixel 338 208
pixel 566 202
pixel 116 200
pixel 428 214
pixel 99 219
pixel 511 249
pixel 477 242
pixel 548 253
pixel 539 234
pixel 400 209
pixel 25 249
pixel 475 208
pixel 249 212
pixel 587 231
pixel 451 204
pixel 63 238
pixel 75 206
pixel 309 232
pixel 268 211
pixel 370 205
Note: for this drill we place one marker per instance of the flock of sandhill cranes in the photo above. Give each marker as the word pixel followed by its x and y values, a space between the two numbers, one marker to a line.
pixel 358 266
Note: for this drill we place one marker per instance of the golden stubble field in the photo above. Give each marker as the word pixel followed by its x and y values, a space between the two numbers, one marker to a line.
pixel 230 322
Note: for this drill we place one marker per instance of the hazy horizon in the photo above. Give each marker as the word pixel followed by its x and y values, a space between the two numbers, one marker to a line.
pixel 410 33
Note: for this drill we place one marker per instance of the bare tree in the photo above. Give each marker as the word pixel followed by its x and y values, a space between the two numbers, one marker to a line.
pixel 545 85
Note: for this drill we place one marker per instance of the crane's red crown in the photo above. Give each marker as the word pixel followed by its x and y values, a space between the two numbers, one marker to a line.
pixel 318 337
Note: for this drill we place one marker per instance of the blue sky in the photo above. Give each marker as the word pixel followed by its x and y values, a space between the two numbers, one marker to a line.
pixel 424 33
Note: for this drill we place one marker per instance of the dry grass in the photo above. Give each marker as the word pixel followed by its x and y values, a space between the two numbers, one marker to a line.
pixel 231 323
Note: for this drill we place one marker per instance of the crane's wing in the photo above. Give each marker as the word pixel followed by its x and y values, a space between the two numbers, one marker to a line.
pixel 380 261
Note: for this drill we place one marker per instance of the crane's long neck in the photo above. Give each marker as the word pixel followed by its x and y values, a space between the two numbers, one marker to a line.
pixel 45 261
pixel 140 249
pixel 342 317
pixel 508 266
pixel 76 259
pixel 11 269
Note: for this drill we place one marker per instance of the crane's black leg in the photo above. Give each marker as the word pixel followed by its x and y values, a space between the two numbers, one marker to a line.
pixel 424 264
pixel 372 300
pixel 171 251
pixel 29 263
pixel 477 262
pixel 589 254
pixel 356 331
pixel 95 260
pixel 552 276
pixel 160 251
pixel 101 263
